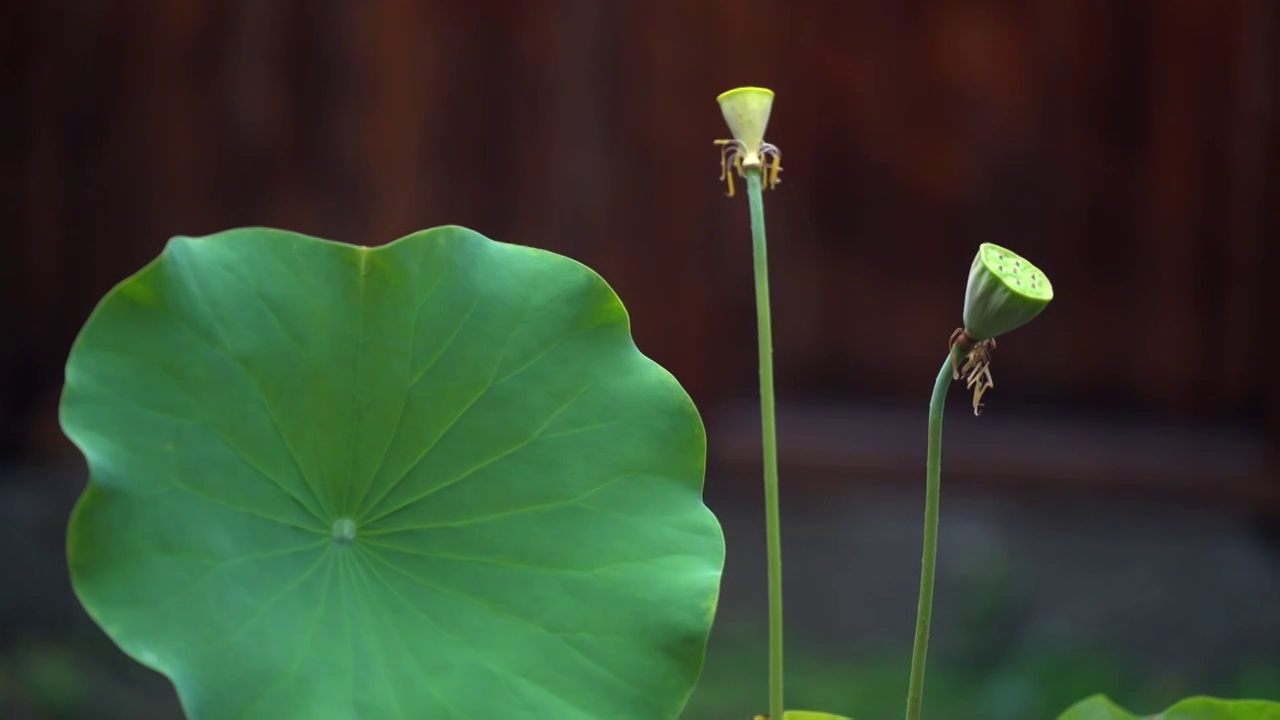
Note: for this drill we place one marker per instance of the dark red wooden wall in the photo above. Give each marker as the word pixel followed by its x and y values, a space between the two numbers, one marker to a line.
pixel 1129 148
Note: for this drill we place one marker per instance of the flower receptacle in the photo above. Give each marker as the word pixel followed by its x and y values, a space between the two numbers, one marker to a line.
pixel 746 111
pixel 1004 292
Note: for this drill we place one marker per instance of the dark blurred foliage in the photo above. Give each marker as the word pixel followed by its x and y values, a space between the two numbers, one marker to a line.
pixel 1130 149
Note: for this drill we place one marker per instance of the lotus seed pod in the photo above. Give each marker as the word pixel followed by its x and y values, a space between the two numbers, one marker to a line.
pixel 1004 293
pixel 746 110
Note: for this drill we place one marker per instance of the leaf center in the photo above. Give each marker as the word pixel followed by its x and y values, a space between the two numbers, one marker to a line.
pixel 344 530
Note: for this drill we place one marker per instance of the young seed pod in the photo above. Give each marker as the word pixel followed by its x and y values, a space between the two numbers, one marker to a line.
pixel 1004 293
pixel 746 111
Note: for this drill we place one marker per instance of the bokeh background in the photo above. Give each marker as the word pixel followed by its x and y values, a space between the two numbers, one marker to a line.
pixel 1110 524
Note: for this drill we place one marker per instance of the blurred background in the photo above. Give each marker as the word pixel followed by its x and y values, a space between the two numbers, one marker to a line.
pixel 1110 524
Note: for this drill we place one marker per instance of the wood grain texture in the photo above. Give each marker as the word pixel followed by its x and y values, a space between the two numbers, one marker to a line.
pixel 1129 148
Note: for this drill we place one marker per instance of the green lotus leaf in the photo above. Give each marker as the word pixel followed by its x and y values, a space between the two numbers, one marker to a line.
pixel 1005 291
pixel 435 479
pixel 1100 707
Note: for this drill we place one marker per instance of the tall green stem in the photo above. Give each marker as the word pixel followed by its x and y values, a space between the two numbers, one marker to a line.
pixel 929 557
pixel 768 425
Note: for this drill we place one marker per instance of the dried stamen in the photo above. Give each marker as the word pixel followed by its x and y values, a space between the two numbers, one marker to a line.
pixel 734 157
pixel 976 371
